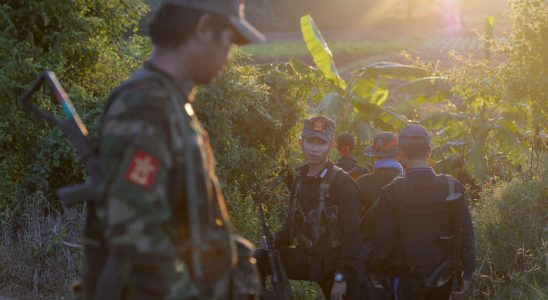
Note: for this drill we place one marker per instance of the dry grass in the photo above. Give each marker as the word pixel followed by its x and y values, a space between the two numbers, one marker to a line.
pixel 35 261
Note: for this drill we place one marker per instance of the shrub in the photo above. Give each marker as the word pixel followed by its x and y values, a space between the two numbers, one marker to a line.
pixel 510 223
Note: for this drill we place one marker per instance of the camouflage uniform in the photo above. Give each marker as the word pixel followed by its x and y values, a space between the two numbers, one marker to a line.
pixel 160 231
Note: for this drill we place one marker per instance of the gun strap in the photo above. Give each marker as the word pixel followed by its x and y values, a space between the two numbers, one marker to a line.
pixel 325 186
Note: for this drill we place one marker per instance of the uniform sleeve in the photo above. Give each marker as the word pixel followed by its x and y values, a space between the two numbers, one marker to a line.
pixel 348 197
pixel 385 230
pixel 468 240
pixel 136 162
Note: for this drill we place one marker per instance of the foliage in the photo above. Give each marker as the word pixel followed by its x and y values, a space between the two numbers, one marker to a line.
pixel 512 253
pixel 86 44
pixel 261 106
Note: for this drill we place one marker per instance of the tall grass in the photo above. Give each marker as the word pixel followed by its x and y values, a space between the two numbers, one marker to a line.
pixel 511 224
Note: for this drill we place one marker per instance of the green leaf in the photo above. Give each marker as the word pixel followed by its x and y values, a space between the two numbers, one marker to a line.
pixel 428 86
pixel 320 52
pixel 376 114
pixel 442 119
pixel 301 67
pixel 369 90
pixel 506 135
pixel 392 69
pixel 449 147
pixel 331 105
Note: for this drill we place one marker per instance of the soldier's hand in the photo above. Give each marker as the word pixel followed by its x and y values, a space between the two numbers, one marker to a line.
pixel 466 284
pixel 338 290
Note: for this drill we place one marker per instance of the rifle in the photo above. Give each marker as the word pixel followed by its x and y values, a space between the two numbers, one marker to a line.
pixel 76 131
pixel 280 282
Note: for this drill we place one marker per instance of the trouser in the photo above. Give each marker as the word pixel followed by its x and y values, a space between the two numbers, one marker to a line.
pixel 415 289
pixel 296 264
pixel 372 286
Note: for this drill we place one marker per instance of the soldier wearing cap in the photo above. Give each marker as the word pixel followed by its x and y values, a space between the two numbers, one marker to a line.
pixel 320 238
pixel 161 230
pixel 423 230
pixel 345 145
pixel 384 150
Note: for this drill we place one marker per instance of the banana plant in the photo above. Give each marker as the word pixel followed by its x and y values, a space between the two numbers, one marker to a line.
pixel 359 105
pixel 474 137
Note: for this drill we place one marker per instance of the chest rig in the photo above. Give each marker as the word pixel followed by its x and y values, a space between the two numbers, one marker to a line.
pixel 317 228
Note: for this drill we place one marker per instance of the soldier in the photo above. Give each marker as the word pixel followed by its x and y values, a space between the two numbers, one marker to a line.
pixel 384 150
pixel 423 229
pixel 345 145
pixel 160 231
pixel 323 219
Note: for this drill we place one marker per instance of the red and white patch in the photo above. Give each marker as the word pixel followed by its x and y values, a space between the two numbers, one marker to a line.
pixel 142 169
pixel 318 125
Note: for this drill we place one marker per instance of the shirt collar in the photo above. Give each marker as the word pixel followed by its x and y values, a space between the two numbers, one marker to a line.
pixel 425 170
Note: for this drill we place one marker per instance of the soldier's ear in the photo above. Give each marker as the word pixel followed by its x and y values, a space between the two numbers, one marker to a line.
pixel 301 143
pixel 204 28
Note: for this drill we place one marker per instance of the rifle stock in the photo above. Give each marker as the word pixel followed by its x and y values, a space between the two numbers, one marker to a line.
pixel 73 127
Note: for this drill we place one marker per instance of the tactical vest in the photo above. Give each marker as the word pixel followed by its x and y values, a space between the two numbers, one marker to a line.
pixel 198 228
pixel 425 214
pixel 318 228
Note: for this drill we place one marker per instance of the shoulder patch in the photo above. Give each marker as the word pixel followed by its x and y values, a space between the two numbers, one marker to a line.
pixel 142 169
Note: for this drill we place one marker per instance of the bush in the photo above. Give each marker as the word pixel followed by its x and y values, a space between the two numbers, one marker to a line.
pixel 510 223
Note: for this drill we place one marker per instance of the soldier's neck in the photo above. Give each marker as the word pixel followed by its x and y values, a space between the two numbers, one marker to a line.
pixel 417 163
pixel 315 169
pixel 169 62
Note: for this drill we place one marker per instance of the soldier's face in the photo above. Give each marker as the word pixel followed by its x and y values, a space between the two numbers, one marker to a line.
pixel 315 150
pixel 213 55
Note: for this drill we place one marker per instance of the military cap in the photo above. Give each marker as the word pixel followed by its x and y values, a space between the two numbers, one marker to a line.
pixel 414 135
pixel 385 144
pixel 319 127
pixel 233 10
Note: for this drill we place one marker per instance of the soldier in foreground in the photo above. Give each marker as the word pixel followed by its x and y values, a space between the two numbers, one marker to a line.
pixel 385 150
pixel 345 145
pixel 161 231
pixel 423 229
pixel 323 219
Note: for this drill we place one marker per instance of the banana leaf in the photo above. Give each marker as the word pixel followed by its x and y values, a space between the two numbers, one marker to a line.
pixel 392 69
pixel 442 119
pixel 449 147
pixel 302 68
pixel 507 136
pixel 428 86
pixel 369 90
pixel 380 116
pixel 331 105
pixel 320 52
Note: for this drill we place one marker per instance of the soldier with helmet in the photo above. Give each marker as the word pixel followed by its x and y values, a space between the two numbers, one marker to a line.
pixel 160 230
pixel 320 238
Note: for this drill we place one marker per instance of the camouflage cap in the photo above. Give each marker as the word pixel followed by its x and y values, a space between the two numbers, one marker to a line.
pixel 233 10
pixel 385 144
pixel 414 135
pixel 319 127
